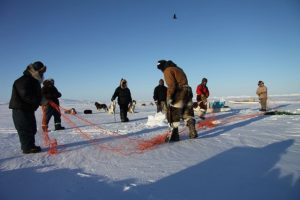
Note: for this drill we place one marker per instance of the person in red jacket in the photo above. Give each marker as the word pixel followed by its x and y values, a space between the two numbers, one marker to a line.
pixel 202 95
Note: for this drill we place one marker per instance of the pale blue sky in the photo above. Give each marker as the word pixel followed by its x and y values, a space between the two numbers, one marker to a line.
pixel 89 46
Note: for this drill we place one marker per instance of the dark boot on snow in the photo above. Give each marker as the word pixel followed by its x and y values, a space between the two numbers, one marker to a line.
pixel 59 127
pixel 34 149
pixel 174 137
pixel 192 130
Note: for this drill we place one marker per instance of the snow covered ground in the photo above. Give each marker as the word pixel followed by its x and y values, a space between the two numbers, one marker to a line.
pixel 240 154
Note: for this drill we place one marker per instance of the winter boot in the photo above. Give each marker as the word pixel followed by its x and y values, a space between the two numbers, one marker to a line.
pixel 192 130
pixel 122 116
pixel 174 137
pixel 59 127
pixel 34 149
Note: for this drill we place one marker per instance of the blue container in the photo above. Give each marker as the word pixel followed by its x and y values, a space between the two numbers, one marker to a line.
pixel 217 104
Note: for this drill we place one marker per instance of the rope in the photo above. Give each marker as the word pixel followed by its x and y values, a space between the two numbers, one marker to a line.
pixel 130 145
pixel 51 143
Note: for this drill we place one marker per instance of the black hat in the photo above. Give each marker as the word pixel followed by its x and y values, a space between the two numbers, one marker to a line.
pixel 204 80
pixel 39 66
pixel 161 64
pixel 161 82
pixel 260 82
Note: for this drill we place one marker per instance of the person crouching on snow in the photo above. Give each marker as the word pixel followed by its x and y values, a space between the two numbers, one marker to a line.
pixel 179 99
pixel 124 99
pixel 50 93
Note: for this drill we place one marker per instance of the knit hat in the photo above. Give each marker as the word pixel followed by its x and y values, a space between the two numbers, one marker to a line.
pixel 48 82
pixel 39 66
pixel 161 82
pixel 260 82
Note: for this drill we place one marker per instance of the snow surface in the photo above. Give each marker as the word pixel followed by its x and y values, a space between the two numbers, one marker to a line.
pixel 243 155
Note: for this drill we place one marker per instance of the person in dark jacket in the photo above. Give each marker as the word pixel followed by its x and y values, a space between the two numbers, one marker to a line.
pixel 124 99
pixel 51 94
pixel 179 99
pixel 160 96
pixel 25 99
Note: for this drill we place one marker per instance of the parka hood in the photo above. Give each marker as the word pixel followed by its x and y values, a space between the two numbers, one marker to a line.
pixel 123 83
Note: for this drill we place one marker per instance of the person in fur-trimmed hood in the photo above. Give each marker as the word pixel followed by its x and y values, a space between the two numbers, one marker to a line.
pixel 179 98
pixel 50 92
pixel 124 99
pixel 25 99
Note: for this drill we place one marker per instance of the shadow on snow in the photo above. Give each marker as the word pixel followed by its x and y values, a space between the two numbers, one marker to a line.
pixel 239 173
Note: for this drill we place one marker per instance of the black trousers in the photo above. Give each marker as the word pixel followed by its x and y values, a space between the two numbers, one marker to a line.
pixel 123 112
pixel 25 123
pixel 50 111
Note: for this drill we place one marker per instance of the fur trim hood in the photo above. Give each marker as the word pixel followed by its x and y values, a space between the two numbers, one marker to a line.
pixel 123 83
pixel 36 70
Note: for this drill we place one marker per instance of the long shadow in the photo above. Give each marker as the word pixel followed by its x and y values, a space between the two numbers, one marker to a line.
pixel 103 140
pixel 58 184
pixel 246 173
pixel 225 128
pixel 206 134
pixel 130 120
pixel 239 173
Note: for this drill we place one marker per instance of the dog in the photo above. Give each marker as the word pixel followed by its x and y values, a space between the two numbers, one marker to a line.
pixel 101 106
pixel 112 108
pixel 71 111
pixel 131 107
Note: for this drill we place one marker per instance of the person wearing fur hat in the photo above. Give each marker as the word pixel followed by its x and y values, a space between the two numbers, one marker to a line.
pixel 160 96
pixel 179 99
pixel 262 93
pixel 124 99
pixel 25 99
pixel 202 95
pixel 51 94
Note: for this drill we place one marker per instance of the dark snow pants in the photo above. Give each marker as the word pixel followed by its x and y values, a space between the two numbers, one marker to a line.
pixel 25 123
pixel 50 111
pixel 123 112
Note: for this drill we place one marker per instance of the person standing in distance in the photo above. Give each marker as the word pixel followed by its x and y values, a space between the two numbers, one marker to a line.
pixel 262 93
pixel 160 97
pixel 124 99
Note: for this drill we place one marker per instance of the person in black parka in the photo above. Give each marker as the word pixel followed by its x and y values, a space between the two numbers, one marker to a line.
pixel 160 96
pixel 50 92
pixel 25 99
pixel 124 99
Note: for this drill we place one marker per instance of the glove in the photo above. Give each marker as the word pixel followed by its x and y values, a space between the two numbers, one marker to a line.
pixel 169 102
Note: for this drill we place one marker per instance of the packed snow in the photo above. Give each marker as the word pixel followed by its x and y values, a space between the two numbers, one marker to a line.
pixel 239 154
